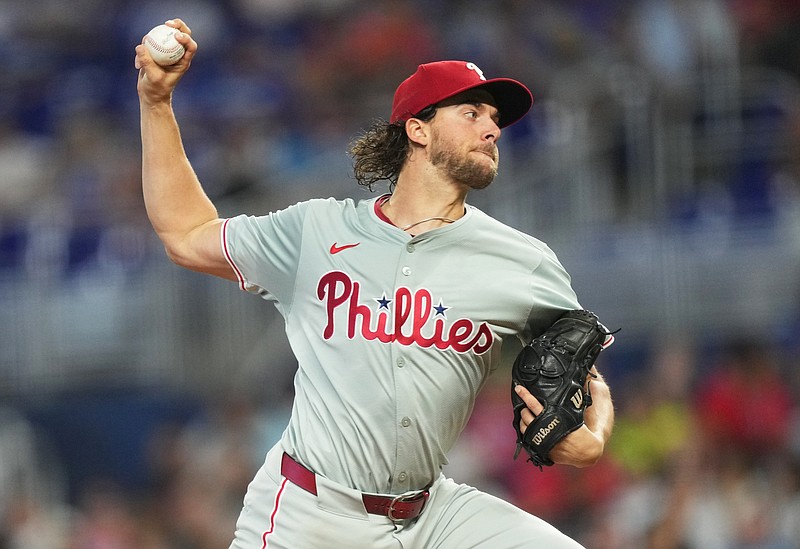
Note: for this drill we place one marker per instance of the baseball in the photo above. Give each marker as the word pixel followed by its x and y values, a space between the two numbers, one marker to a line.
pixel 162 46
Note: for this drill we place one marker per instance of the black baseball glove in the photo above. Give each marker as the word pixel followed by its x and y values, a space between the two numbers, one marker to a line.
pixel 555 367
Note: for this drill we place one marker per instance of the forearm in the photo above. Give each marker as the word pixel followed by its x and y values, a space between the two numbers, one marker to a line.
pixel 599 417
pixel 175 201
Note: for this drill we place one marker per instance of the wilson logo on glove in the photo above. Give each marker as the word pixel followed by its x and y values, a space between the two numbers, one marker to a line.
pixel 539 437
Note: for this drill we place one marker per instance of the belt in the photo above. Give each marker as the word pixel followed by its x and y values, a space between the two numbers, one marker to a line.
pixel 405 506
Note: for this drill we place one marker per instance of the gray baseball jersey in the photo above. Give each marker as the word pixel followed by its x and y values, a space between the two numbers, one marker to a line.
pixel 394 335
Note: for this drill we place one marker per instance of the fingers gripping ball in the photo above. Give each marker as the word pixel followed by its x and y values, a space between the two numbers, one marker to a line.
pixel 162 45
pixel 555 367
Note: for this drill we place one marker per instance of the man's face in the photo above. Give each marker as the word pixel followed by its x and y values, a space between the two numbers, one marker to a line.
pixel 464 136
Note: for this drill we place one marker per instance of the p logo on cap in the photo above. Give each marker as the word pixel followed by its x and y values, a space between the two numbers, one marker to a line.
pixel 475 68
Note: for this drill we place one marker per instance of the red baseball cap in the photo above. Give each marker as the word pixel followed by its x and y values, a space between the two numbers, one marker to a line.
pixel 435 82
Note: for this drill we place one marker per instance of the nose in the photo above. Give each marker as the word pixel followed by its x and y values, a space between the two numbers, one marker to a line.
pixel 493 132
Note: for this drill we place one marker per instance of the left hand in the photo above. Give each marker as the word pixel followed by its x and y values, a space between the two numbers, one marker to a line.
pixel 580 448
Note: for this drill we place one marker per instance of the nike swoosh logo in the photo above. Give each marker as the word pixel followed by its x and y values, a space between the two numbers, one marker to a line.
pixel 336 249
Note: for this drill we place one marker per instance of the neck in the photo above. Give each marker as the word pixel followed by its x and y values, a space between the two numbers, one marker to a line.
pixel 419 210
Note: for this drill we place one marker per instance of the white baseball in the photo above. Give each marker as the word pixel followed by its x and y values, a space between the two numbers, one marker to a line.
pixel 162 46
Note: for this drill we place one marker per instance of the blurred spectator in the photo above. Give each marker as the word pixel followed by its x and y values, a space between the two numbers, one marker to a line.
pixel 27 178
pixel 770 32
pixel 351 63
pixel 656 424
pixel 105 520
pixel 744 404
pixel 27 172
pixel 201 472
pixel 32 490
pixel 676 40
pixel 653 443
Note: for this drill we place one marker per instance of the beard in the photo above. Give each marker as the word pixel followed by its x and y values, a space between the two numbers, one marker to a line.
pixel 463 167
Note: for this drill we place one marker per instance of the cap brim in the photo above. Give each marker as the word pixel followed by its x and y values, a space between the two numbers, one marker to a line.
pixel 513 99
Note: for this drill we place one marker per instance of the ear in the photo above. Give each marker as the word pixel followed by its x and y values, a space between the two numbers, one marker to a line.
pixel 418 131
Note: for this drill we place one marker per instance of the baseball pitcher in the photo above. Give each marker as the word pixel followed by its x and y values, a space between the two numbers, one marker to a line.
pixel 396 308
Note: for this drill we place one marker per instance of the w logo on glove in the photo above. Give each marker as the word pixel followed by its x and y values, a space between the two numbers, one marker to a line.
pixel 577 399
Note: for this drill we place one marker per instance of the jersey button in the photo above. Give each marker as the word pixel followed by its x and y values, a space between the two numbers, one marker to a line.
pixel 401 362
pixel 410 248
pixel 406 271
pixel 402 476
pixel 405 422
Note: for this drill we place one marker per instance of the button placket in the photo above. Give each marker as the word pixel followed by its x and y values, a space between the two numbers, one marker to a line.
pixel 406 432
pixel 410 249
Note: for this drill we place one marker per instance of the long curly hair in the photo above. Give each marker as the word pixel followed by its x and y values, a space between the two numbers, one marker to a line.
pixel 381 150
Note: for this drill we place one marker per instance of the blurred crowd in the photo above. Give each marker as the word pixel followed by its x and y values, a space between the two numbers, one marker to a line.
pixel 279 87
pixel 706 452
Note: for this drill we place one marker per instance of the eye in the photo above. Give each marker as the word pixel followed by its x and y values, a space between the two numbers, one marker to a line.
pixel 472 113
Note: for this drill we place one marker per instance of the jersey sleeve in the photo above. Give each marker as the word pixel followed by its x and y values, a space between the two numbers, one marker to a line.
pixel 552 294
pixel 264 251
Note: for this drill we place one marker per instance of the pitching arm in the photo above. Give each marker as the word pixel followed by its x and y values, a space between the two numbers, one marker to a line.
pixel 181 213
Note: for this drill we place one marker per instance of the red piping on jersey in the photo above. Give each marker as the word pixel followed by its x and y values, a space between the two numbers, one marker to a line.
pixel 274 512
pixel 228 257
pixel 379 212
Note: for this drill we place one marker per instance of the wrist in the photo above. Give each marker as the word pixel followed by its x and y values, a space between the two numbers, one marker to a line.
pixel 155 104
pixel 581 448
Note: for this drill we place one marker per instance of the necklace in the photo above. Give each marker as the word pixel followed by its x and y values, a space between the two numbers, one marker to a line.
pixel 444 219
